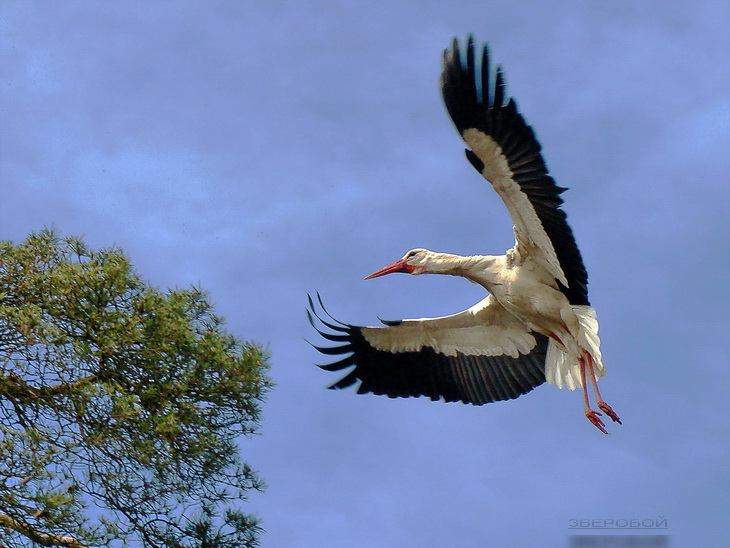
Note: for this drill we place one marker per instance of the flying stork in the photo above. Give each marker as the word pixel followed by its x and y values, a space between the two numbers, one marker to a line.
pixel 535 325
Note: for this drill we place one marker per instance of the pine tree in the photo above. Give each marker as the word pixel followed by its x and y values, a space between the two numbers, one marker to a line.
pixel 121 407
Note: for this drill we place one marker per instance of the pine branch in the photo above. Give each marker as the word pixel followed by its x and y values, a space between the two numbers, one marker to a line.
pixel 44 539
pixel 12 385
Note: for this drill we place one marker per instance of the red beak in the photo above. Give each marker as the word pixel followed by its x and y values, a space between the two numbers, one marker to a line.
pixel 398 266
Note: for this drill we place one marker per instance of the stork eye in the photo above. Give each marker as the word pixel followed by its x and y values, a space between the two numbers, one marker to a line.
pixel 411 254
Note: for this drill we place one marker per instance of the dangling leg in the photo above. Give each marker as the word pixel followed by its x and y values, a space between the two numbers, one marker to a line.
pixel 602 405
pixel 591 415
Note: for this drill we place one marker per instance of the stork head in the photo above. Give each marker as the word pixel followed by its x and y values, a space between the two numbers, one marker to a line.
pixel 416 261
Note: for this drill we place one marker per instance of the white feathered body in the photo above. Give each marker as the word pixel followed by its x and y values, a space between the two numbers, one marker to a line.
pixel 529 299
pixel 530 294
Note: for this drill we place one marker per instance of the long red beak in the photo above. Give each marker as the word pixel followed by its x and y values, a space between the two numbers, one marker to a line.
pixel 398 266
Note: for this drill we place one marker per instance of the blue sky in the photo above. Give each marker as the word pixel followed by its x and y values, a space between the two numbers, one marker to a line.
pixel 268 149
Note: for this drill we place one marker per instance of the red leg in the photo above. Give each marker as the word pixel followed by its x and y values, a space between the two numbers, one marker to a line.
pixel 591 415
pixel 602 405
pixel 556 338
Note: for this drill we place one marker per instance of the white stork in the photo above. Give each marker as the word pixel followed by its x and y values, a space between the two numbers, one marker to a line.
pixel 536 324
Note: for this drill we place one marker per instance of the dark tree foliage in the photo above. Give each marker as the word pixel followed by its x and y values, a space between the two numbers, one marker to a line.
pixel 121 407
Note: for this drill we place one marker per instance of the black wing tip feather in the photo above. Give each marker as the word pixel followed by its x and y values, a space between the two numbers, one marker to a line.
pixel 390 323
pixel 341 335
pixel 468 87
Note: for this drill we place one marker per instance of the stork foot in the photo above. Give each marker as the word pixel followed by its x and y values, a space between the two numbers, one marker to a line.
pixel 593 416
pixel 603 406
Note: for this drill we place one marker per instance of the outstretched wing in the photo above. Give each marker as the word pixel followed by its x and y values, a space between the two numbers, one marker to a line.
pixel 478 356
pixel 504 149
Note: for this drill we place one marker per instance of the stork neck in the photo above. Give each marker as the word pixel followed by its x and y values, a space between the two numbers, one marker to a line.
pixel 472 267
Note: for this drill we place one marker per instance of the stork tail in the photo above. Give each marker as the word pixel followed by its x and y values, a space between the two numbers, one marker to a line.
pixel 561 369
